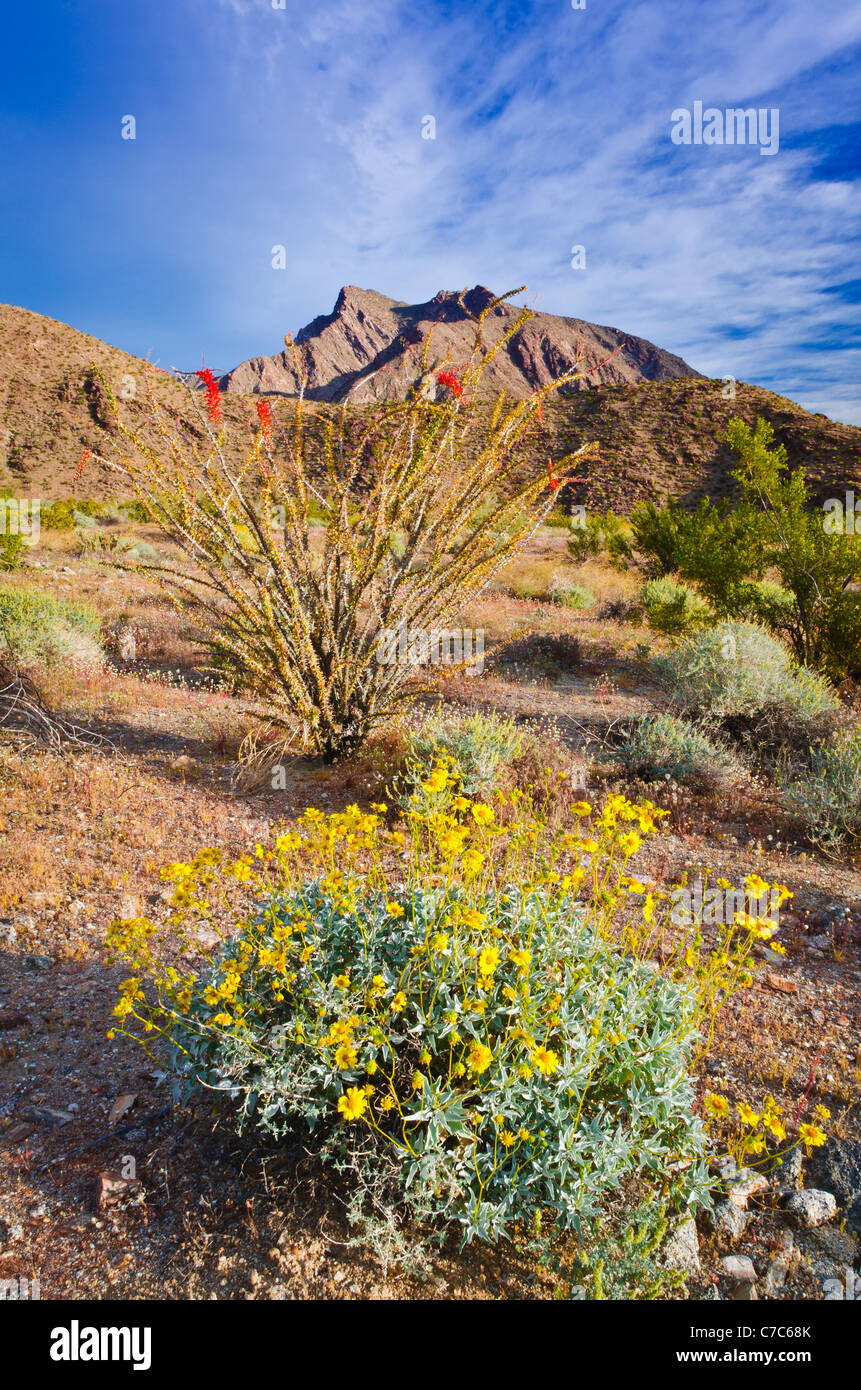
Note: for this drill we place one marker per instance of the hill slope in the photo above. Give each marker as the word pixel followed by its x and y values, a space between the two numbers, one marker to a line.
pixel 369 348
pixel 657 438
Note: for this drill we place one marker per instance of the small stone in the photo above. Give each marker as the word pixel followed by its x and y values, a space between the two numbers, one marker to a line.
pixel 729 1220
pixel 740 1268
pixel 781 983
pixel 810 1208
pixel 787 1174
pixel 112 1187
pixel 724 1166
pixel 744 1292
pixel 682 1250
pixel 745 1185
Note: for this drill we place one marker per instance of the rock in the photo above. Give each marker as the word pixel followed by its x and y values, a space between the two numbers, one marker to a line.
pixel 787 1174
pixel 745 1291
pixel 8 932
pixel 778 1269
pixel 723 1166
pixel 810 1208
pixel 726 1219
pixel 37 963
pixel 836 1168
pixel 781 983
pixel 11 1018
pixel 112 1187
pixel 739 1268
pixel 745 1185
pixel 682 1250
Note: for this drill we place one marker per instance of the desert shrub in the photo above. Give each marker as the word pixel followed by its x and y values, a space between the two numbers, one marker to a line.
pixel 739 669
pixel 133 510
pixel 83 520
pixel 37 627
pixel 774 527
pixel 609 535
pixel 674 609
pixel 826 797
pixel 621 610
pixel 463 1041
pixel 619 1255
pixel 70 512
pixel 567 591
pixel 11 545
pixel 475 746
pixel 658 746
pixel 307 627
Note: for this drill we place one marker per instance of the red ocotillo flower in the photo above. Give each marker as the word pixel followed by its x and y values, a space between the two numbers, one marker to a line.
pixel 264 414
pixel 551 477
pixel 450 380
pixel 213 395
pixel 86 455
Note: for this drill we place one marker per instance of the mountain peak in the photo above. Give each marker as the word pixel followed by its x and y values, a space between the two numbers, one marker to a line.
pixel 369 348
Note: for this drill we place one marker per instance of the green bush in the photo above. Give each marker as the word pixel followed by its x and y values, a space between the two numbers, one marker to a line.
pixel 608 535
pixel 70 512
pixel 826 797
pixel 674 609
pixel 739 669
pixel 480 1118
pixel 37 627
pixel 11 545
pixel 727 548
pixel 570 594
pixel 659 746
pixel 476 747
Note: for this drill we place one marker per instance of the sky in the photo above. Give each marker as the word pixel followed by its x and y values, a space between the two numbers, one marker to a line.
pixel 261 124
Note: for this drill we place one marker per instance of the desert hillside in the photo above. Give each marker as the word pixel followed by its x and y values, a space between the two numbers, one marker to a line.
pixel 657 437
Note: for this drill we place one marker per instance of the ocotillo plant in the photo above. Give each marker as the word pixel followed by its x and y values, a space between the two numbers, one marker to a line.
pixel 299 611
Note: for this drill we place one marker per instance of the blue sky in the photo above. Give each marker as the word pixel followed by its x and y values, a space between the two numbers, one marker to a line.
pixel 301 126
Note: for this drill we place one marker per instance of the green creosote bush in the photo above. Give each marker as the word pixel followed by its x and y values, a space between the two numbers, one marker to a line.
pixel 38 628
pixel 656 747
pixel 674 609
pixel 608 535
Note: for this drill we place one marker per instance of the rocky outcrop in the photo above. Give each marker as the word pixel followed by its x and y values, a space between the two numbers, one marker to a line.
pixel 369 348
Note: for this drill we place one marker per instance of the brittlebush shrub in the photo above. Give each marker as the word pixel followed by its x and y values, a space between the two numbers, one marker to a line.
pixel 826 797
pixel 655 747
pixel 467 1017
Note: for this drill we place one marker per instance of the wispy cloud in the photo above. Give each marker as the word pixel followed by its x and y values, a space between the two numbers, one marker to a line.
pixel 269 126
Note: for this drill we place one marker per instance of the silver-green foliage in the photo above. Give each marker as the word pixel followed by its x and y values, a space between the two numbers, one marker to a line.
pixel 659 746
pixel 619 1104
pixel 478 745
pixel 739 668
pixel 827 796
pixel 36 627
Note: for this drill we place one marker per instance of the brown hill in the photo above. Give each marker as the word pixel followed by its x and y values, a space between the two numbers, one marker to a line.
pixel 369 349
pixel 657 438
